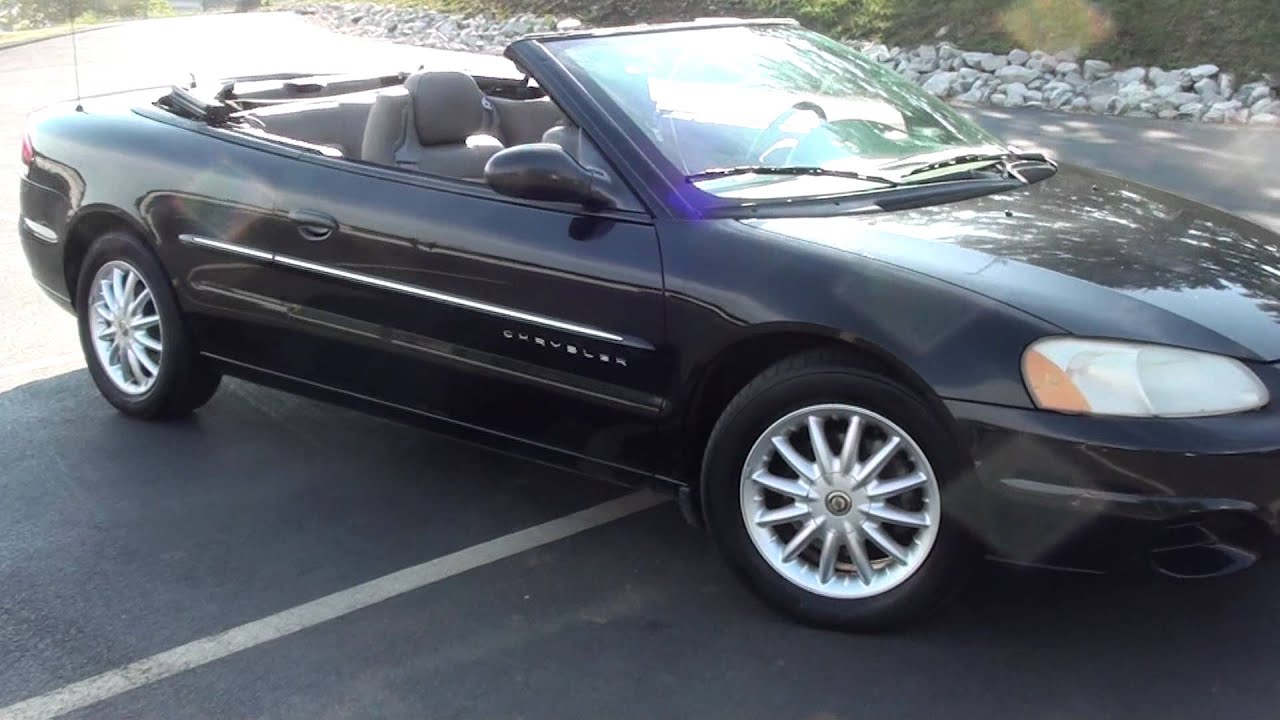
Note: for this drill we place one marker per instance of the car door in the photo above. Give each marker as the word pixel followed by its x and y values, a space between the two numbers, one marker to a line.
pixel 540 322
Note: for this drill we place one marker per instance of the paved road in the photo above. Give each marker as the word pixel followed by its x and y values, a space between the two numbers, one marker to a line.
pixel 121 540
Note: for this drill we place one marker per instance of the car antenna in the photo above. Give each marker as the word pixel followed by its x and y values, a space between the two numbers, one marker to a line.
pixel 75 55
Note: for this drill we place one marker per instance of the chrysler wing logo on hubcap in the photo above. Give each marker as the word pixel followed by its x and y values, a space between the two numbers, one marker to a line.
pixel 839 503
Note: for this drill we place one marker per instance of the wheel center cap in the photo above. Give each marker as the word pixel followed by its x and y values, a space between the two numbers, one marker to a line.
pixel 838 503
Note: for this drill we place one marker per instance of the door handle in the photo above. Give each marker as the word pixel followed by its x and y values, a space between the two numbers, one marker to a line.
pixel 312 225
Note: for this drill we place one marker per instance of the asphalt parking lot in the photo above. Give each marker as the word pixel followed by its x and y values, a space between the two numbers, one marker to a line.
pixel 177 568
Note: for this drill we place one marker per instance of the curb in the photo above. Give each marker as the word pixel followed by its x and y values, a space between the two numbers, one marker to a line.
pixel 104 26
pixel 32 41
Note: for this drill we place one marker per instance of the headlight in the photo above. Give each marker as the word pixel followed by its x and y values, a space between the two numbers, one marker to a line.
pixel 1105 377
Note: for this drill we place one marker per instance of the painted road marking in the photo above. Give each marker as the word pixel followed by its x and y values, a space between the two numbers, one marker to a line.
pixel 273 627
pixel 12 376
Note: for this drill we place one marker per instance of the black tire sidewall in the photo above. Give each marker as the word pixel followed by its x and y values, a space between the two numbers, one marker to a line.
pixel 738 430
pixel 176 359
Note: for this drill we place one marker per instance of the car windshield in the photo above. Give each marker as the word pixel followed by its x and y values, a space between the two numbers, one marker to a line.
pixel 771 97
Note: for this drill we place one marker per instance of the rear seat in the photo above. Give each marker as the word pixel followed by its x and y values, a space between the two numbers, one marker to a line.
pixel 337 121
pixel 519 122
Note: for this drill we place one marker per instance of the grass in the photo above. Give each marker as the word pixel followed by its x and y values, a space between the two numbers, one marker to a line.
pixel 23 36
pixel 84 21
pixel 1238 34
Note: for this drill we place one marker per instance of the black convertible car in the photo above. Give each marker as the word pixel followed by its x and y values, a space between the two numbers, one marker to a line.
pixel 861 339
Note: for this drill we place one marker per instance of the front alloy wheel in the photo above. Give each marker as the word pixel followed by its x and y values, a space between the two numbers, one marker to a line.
pixel 840 501
pixel 826 486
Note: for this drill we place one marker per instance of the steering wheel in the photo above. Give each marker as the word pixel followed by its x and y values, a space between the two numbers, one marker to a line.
pixel 771 135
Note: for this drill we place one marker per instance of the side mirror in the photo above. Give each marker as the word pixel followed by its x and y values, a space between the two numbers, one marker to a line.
pixel 544 171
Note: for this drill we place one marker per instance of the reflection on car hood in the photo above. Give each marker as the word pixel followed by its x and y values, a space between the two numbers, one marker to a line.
pixel 1090 253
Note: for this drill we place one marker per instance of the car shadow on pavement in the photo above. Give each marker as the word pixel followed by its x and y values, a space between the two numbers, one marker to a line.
pixel 264 500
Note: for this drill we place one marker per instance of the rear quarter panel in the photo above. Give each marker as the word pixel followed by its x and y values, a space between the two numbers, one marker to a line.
pixel 124 164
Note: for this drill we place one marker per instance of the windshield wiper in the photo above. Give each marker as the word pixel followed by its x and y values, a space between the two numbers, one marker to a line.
pixel 793 170
pixel 1006 158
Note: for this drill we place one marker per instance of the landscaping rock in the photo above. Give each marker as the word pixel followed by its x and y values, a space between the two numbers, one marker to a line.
pixel 1042 62
pixel 1251 93
pixel 1106 104
pixel 1162 78
pixel 1191 111
pixel 1201 72
pixel 1017 78
pixel 1223 111
pixel 1106 86
pixel 992 63
pixel 1016 73
pixel 1227 84
pixel 1094 69
pixel 1207 88
pixel 1135 93
pixel 1132 75
pixel 1067 68
pixel 1075 80
pixel 940 84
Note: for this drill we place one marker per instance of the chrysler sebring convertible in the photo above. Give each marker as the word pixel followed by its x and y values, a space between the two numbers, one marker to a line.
pixel 863 341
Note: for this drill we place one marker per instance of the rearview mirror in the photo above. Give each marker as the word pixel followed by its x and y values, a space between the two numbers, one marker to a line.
pixel 543 171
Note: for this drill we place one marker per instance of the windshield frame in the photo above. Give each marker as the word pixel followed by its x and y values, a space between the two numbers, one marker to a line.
pixel 536 55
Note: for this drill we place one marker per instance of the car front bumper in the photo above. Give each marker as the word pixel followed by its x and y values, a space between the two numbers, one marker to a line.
pixel 1187 497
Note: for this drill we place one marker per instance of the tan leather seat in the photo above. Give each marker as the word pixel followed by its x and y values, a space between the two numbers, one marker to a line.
pixel 517 122
pixel 576 144
pixel 432 123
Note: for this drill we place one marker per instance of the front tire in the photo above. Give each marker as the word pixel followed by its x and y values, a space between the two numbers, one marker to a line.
pixel 825 487
pixel 133 336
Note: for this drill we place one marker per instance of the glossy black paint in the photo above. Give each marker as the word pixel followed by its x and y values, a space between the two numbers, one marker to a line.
pixel 1135 262
pixel 543 172
pixel 662 307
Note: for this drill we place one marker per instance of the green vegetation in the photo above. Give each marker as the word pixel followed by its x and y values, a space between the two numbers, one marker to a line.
pixel 22 36
pixel 1240 35
pixel 46 15
pixel 1237 34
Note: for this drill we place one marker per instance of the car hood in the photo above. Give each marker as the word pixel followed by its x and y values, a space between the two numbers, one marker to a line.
pixel 1091 253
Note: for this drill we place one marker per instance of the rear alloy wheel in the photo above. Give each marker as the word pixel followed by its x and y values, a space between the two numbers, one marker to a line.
pixel 133 334
pixel 128 337
pixel 840 501
pixel 825 486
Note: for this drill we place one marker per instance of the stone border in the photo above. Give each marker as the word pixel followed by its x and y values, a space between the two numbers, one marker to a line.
pixel 1016 79
pixel 1062 82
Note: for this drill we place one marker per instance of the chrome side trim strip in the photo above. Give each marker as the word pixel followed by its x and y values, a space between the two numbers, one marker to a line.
pixel 226 247
pixel 44 232
pixel 445 298
pixel 403 288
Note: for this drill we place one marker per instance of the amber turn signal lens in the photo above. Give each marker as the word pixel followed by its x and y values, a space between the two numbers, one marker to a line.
pixel 1050 386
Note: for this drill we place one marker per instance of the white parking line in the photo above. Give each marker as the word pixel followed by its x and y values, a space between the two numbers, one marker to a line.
pixel 214 647
pixel 22 373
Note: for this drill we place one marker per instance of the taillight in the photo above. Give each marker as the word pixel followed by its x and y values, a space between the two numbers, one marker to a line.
pixel 28 151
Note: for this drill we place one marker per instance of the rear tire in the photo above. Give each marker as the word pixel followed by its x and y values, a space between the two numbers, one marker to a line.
pixel 134 338
pixel 843 542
